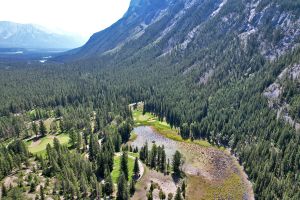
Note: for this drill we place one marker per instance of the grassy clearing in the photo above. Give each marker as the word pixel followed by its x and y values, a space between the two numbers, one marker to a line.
pixel 133 154
pixel 116 171
pixel 230 188
pixel 162 127
pixel 133 137
pixel 39 147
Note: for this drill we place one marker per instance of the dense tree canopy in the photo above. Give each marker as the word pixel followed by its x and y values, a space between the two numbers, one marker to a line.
pixel 227 108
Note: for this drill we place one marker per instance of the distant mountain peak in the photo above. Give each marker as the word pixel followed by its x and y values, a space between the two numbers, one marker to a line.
pixel 17 35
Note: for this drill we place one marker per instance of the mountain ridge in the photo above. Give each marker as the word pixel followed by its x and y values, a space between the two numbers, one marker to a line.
pixel 226 72
pixel 191 18
pixel 16 35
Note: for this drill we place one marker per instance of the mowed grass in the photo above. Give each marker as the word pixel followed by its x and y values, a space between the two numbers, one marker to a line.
pixel 116 171
pixel 39 147
pixel 162 127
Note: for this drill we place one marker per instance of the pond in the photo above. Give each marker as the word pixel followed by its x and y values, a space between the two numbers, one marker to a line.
pixel 147 134
pixel 211 167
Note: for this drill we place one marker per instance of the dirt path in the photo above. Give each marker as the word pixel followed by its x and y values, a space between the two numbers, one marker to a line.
pixel 35 143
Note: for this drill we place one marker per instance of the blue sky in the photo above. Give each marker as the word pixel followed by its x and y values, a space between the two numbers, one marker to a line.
pixel 82 17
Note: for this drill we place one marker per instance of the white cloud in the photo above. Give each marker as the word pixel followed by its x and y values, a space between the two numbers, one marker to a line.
pixel 83 17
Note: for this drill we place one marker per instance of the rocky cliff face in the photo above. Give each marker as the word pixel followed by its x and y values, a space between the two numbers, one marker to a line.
pixel 140 15
pixel 176 25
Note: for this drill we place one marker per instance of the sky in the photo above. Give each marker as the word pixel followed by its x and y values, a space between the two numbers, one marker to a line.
pixel 82 17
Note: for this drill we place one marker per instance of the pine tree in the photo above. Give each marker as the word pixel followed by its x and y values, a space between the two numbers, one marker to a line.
pixel 56 145
pixel 163 161
pixel 136 169
pixel 124 165
pixel 96 188
pixel 178 194
pixel 108 183
pixel 150 195
pixel 153 156
pixel 132 187
pixel 53 127
pixel 170 196
pixel 177 163
pixel 43 129
pixel 98 191
pixel 183 187
pixel 94 147
pixel 73 138
pixel 4 190
pixel 125 130
pixel 62 126
pixel 83 185
pixel 35 129
pixel 32 187
pixel 162 195
pixel 79 142
pixel 122 193
pixel 185 131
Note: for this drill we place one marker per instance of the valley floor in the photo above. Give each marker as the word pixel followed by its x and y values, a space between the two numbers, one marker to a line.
pixel 211 172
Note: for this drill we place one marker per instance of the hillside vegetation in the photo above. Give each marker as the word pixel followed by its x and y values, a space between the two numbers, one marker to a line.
pixel 203 66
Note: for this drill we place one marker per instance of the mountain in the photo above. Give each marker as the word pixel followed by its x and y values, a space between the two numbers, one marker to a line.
pixel 171 25
pixel 228 69
pixel 223 71
pixel 141 14
pixel 15 35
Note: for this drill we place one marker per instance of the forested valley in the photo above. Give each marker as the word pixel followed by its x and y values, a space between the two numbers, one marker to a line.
pixel 212 91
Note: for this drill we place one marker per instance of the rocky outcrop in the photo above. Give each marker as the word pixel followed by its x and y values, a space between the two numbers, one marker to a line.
pixel 274 92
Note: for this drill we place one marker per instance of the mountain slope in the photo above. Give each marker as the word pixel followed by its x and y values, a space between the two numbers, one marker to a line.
pixel 141 14
pixel 206 64
pixel 14 35
pixel 209 67
pixel 178 24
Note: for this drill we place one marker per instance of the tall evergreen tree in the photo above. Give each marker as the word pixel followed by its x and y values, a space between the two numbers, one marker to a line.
pixel 108 183
pixel 123 193
pixel 53 127
pixel 124 165
pixel 153 156
pixel 43 129
pixel 185 131
pixel 79 142
pixel 183 188
pixel 94 147
pixel 162 195
pixel 178 194
pixel 136 169
pixel 132 187
pixel 3 190
pixel 73 138
pixel 163 161
pixel 177 163
pixel 35 129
